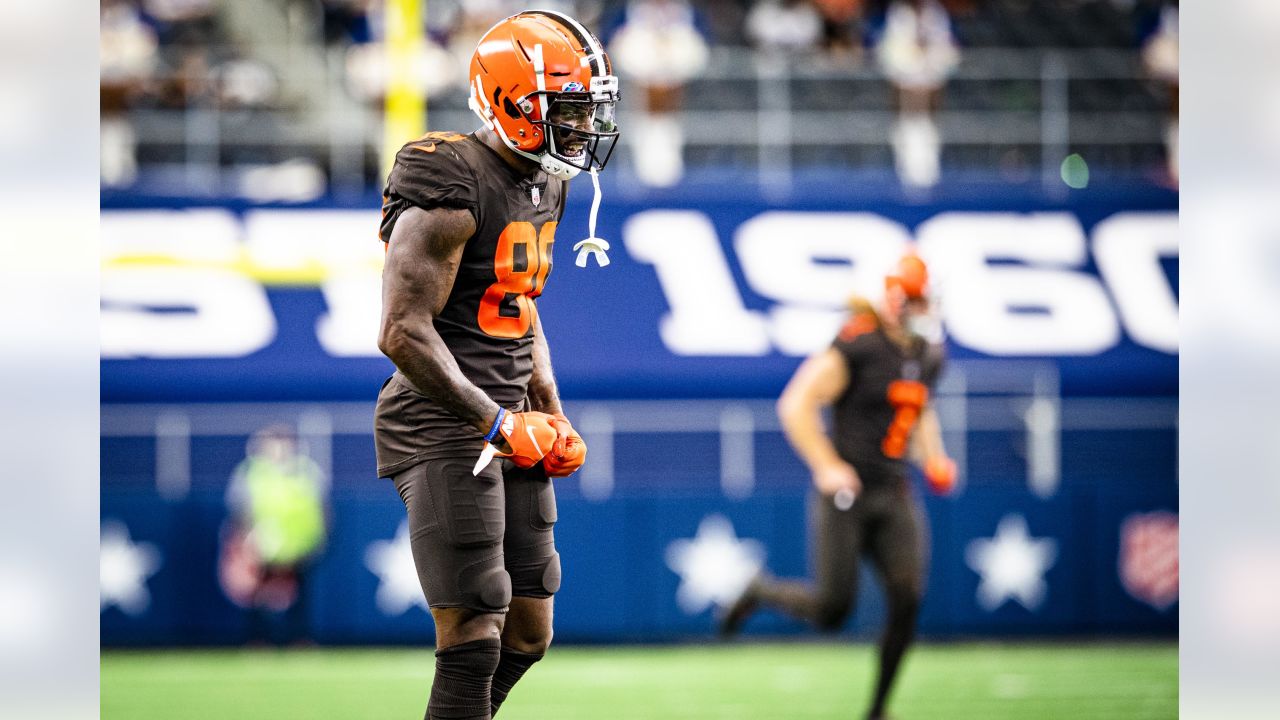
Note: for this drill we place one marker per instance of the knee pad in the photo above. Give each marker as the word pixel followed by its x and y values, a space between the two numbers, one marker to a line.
pixel 485 587
pixel 551 574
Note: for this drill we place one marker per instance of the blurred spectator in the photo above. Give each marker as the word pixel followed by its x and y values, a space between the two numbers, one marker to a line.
pixel 127 56
pixel 187 82
pixel 359 26
pixel 472 19
pixel 725 22
pixel 349 21
pixel 917 51
pixel 840 20
pixel 183 22
pixel 434 69
pixel 1158 35
pixel 277 498
pixel 658 48
pixel 245 83
pixel 791 25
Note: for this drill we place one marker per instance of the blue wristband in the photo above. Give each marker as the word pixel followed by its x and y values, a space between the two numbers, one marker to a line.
pixel 497 423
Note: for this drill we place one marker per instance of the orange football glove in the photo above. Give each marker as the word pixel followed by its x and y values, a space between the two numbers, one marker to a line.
pixel 940 473
pixel 525 437
pixel 563 431
pixel 563 464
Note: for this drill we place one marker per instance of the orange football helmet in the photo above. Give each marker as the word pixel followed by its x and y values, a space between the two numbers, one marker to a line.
pixel 544 84
pixel 911 275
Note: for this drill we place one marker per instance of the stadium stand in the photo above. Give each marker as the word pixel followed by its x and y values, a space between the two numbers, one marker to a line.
pixel 281 99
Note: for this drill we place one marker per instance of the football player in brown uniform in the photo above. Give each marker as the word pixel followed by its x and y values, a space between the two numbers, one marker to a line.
pixel 469 222
pixel 877 377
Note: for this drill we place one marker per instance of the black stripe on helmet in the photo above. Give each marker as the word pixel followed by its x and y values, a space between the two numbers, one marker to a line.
pixel 598 65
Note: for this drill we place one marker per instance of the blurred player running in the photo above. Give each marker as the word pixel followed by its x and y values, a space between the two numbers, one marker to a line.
pixel 878 376
pixel 469 223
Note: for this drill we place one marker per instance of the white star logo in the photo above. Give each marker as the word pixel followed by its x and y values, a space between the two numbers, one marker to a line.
pixel 392 561
pixel 1012 565
pixel 123 569
pixel 714 567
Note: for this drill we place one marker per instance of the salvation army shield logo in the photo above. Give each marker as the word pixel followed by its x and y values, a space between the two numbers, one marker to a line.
pixel 1148 562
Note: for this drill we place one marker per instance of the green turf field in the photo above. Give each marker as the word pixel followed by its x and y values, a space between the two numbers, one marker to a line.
pixel 790 681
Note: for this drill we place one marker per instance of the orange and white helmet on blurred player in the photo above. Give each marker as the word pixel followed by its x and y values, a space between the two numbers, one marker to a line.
pixel 919 309
pixel 544 84
pixel 910 274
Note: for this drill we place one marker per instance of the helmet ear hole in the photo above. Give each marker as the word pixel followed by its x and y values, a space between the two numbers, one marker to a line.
pixel 512 111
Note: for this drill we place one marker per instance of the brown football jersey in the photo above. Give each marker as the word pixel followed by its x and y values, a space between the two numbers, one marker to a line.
pixel 888 387
pixel 489 318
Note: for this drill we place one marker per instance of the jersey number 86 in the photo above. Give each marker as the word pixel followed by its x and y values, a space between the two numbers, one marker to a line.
pixel 521 265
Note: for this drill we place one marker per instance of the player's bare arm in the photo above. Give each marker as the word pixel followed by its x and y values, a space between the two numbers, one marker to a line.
pixel 926 441
pixel 570 451
pixel 930 454
pixel 543 394
pixel 820 379
pixel 421 264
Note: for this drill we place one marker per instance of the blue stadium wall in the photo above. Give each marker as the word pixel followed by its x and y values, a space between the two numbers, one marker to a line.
pixel 712 298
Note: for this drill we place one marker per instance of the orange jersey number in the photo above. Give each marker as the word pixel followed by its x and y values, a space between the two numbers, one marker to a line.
pixel 517 287
pixel 908 398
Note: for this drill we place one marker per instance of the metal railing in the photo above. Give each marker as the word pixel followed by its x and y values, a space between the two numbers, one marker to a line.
pixel 974 396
